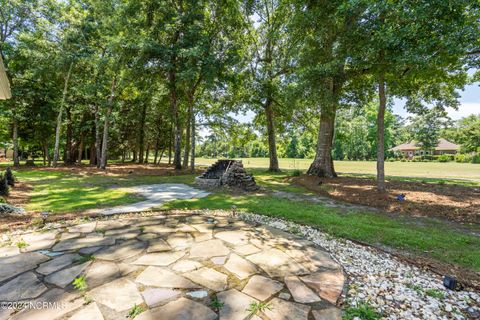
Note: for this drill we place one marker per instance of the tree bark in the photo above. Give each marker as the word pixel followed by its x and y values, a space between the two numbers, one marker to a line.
pixel 272 146
pixel 98 137
pixel 16 160
pixel 187 134
pixel 141 141
pixel 59 117
pixel 80 149
pixel 170 137
pixel 192 159
pixel 103 161
pixel 177 136
pixel 67 158
pixel 381 133
pixel 322 165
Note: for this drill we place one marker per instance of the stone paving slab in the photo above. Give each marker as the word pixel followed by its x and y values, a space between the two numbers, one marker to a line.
pixel 173 266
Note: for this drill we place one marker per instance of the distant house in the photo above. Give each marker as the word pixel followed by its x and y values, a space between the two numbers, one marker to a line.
pixel 4 84
pixel 413 148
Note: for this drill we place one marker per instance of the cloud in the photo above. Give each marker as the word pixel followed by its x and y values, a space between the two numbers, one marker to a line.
pixel 465 109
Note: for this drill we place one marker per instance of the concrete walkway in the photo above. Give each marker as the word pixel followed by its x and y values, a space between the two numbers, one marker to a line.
pixel 156 195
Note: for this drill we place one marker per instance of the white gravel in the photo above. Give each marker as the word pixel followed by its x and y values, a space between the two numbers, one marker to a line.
pixel 394 288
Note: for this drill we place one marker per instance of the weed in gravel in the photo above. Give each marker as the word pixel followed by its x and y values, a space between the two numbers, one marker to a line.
pixel 363 310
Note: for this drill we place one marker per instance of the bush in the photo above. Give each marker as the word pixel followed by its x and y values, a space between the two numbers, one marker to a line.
pixel 445 158
pixel 3 185
pixel 9 176
pixel 464 158
pixel 476 158
pixel 296 173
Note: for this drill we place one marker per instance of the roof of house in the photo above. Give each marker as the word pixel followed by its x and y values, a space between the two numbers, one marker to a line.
pixel 4 84
pixel 443 144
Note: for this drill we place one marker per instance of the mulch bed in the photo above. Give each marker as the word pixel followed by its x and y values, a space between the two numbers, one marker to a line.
pixel 452 202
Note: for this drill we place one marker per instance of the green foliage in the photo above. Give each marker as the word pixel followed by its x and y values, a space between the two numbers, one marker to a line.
pixel 4 188
pixel 22 244
pixel 297 173
pixel 80 283
pixel 255 308
pixel 85 257
pixel 216 304
pixel 434 293
pixel 135 311
pixel 9 176
pixel 363 311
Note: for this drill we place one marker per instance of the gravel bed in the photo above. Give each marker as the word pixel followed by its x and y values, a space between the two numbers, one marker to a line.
pixel 392 287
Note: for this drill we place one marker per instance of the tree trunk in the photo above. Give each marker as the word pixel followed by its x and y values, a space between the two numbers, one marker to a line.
pixel 192 159
pixel 67 158
pixel 103 161
pixel 16 160
pixel 98 137
pixel 272 147
pixel 177 137
pixel 80 150
pixel 59 117
pixel 381 134
pixel 141 135
pixel 187 134
pixel 147 153
pixel 170 137
pixel 322 165
pixel 157 143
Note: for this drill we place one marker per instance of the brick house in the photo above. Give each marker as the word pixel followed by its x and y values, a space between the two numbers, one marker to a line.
pixel 412 148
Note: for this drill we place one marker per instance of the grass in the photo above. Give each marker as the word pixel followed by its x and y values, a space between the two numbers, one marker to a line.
pixel 363 311
pixel 135 311
pixel 450 172
pixel 434 240
pixel 59 192
pixel 256 307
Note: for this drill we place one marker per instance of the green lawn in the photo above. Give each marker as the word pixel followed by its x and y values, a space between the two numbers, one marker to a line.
pixel 433 239
pixel 428 170
pixel 60 192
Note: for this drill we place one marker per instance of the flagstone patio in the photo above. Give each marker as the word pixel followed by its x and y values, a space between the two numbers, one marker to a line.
pixel 173 267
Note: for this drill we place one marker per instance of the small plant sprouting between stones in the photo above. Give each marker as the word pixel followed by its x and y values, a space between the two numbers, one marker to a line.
pixel 22 244
pixel 415 287
pixel 363 310
pixel 216 304
pixel 255 307
pixel 101 230
pixel 295 230
pixel 80 283
pixel 142 228
pixel 135 311
pixel 85 257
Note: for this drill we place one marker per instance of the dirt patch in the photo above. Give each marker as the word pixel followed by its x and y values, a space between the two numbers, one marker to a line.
pixel 452 202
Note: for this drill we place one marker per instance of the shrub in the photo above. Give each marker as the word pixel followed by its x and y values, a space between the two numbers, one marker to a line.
pixel 3 185
pixel 464 158
pixel 9 176
pixel 297 173
pixel 476 158
pixel 445 158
